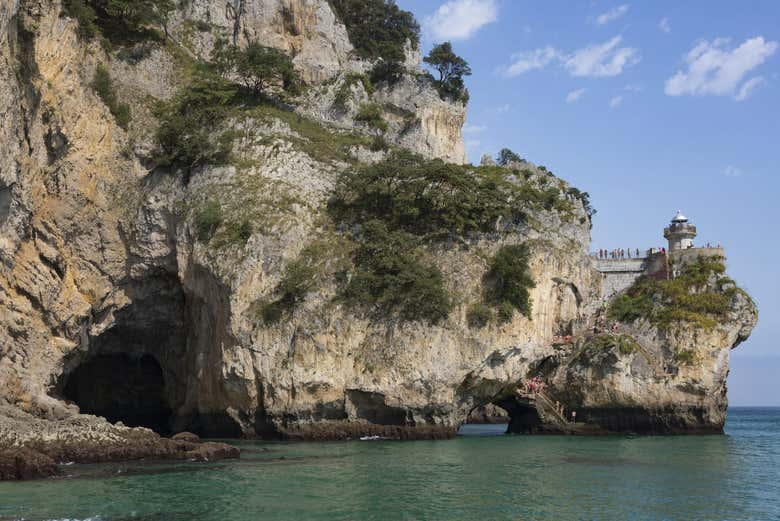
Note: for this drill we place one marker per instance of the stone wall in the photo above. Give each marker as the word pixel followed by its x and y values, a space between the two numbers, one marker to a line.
pixel 657 265
pixel 618 274
pixel 680 258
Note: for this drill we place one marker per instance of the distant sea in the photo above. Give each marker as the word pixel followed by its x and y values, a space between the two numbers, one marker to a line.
pixel 477 476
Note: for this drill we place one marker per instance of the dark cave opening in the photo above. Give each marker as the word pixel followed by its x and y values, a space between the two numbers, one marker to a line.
pixel 121 387
pixel 523 417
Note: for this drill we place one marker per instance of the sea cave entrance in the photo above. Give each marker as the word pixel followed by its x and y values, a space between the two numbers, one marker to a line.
pixel 523 417
pixel 133 371
pixel 122 387
pixel 506 416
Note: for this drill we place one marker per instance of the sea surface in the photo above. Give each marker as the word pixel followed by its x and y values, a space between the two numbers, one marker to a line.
pixel 477 476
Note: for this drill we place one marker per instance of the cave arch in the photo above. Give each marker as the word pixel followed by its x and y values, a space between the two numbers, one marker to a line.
pixel 520 416
pixel 124 387
pixel 523 417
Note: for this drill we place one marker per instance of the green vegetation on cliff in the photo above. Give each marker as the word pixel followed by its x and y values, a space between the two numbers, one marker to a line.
pixel 412 203
pixel 190 123
pixel 185 136
pixel 121 21
pixel 508 279
pixel 451 68
pixel 506 288
pixel 299 278
pixel 344 92
pixel 371 115
pixel 700 295
pixel 506 156
pixel 433 199
pixel 623 343
pixel 104 87
pixel 378 29
pixel 262 70
pixel 393 274
pixel 207 220
pixel 478 315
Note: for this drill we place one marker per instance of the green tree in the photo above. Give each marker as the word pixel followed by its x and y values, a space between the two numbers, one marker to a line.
pixel 378 28
pixel 261 67
pixel 120 19
pixel 161 12
pixel 507 156
pixel 451 68
pixel 224 56
pixel 386 71
pixel 371 114
pixel 184 137
pixel 392 275
pixel 508 279
pixel 85 15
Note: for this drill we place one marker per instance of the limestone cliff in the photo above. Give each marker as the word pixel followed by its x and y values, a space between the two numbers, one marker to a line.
pixel 104 269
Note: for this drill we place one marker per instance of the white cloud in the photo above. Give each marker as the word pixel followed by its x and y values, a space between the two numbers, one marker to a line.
pixel 732 171
pixel 472 144
pixel 473 129
pixel 523 62
pixel 461 19
pixel 664 25
pixel 501 109
pixel 712 68
pixel 612 14
pixel 748 87
pixel 615 102
pixel 599 60
pixel 574 95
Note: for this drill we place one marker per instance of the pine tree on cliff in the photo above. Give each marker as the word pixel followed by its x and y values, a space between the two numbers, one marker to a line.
pixel 451 68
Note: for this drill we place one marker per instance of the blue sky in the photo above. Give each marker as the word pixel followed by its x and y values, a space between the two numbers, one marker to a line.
pixel 650 107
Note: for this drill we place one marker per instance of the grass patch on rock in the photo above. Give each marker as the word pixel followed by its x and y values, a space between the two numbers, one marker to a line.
pixel 299 278
pixel 320 142
pixel 371 114
pixel 104 87
pixel 623 343
pixel 700 295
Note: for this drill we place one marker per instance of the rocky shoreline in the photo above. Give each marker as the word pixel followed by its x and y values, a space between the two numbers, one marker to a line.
pixel 45 460
pixel 32 448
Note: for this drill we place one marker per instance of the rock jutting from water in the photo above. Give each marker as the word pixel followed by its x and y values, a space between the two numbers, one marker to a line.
pixel 257 294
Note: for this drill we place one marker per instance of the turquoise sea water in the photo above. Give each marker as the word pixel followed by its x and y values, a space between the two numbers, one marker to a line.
pixel 473 477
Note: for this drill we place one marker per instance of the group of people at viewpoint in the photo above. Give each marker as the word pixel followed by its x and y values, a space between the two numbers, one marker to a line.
pixel 618 253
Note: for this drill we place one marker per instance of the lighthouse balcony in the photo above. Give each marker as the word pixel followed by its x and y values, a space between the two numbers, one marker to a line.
pixel 683 228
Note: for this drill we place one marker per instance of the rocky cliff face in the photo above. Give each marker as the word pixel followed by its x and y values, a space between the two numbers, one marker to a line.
pixel 310 32
pixel 103 270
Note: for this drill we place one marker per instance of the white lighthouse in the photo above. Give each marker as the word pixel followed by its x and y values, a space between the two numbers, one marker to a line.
pixel 680 233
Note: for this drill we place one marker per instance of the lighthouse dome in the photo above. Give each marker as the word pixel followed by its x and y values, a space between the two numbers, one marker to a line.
pixel 680 218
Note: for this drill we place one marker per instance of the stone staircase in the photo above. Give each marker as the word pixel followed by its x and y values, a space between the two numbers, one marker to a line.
pixel 552 421
pixel 548 413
